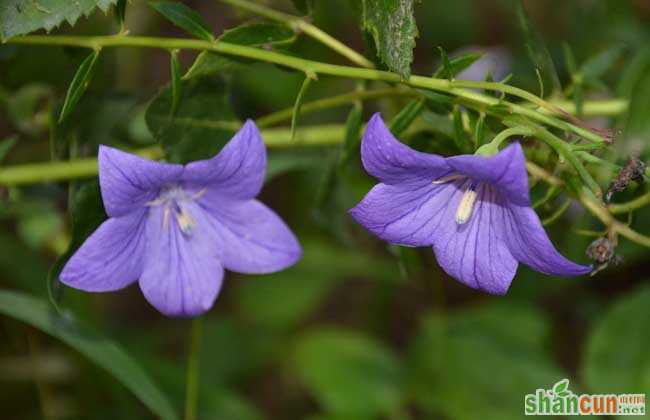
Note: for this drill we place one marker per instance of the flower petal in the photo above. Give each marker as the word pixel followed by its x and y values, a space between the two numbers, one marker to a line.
pixel 182 274
pixel 475 253
pixel 111 258
pixel 238 170
pixel 505 170
pixel 528 242
pixel 407 213
pixel 390 161
pixel 128 181
pixel 256 240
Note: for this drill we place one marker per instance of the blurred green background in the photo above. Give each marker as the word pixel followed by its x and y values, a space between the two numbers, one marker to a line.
pixel 357 329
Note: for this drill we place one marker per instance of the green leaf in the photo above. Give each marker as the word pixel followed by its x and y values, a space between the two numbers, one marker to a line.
pixel 561 387
pixel 393 28
pixel 600 63
pixel 350 146
pixel 403 120
pixel 455 65
pixel 537 50
pixel 175 80
pixel 452 356
pixel 350 374
pixel 249 34
pixel 637 126
pixel 446 73
pixel 259 35
pixel 459 130
pixel 298 103
pixel 86 214
pixel 79 84
pixel 6 145
pixel 100 350
pixel 120 13
pixel 19 17
pixel 184 17
pixel 617 358
pixel 203 124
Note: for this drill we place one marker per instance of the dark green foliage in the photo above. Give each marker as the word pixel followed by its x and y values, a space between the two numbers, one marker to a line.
pixel 184 17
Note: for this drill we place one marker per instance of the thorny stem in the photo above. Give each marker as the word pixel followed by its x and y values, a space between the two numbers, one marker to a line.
pixel 473 98
pixel 594 206
pixel 301 25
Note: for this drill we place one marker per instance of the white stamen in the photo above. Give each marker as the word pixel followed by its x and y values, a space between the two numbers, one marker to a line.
pixel 464 211
pixel 447 178
pixel 185 222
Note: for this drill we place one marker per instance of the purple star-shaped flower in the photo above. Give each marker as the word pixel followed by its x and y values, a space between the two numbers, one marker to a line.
pixel 474 210
pixel 176 227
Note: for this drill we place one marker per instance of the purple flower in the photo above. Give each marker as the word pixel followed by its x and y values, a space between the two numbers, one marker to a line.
pixel 474 210
pixel 175 228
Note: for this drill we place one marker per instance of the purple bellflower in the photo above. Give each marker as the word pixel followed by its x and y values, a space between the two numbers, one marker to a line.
pixel 176 227
pixel 473 210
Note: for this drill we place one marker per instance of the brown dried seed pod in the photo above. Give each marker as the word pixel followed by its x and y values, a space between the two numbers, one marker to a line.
pixel 633 171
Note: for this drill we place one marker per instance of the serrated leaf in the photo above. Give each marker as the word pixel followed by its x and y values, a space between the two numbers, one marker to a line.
pixel 617 358
pixel 393 28
pixel 349 374
pixel 250 34
pixel 19 17
pixel 405 117
pixel 203 124
pixel 79 84
pixel 99 349
pixel 184 17
pixel 456 65
pixel 537 51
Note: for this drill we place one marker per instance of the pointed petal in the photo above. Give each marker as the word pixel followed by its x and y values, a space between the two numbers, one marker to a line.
pixel 505 170
pixel 111 258
pixel 182 274
pixel 475 253
pixel 528 242
pixel 238 170
pixel 407 213
pixel 256 240
pixel 390 161
pixel 128 181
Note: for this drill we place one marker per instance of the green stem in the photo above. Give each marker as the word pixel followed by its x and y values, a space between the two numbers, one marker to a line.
pixel 492 147
pixel 301 25
pixel 308 66
pixel 557 213
pixel 320 135
pixel 332 102
pixel 632 205
pixel 192 394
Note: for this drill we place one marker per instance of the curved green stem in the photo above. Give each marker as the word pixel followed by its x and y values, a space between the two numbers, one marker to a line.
pixel 300 24
pixel 492 147
pixel 85 168
pixel 470 97
pixel 632 205
pixel 192 391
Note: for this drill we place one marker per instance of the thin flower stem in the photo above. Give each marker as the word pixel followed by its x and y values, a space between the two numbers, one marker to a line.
pixel 632 205
pixel 301 25
pixel 470 97
pixel 594 206
pixel 557 213
pixel 319 135
pixel 192 392
pixel 332 102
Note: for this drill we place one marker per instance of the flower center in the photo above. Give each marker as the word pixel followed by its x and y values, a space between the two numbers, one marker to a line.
pixel 174 200
pixel 466 205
